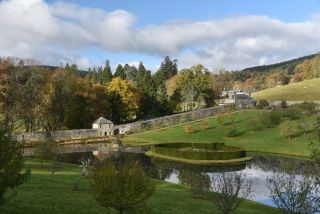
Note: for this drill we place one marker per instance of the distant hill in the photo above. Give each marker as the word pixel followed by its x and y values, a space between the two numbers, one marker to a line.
pixel 308 90
pixel 283 65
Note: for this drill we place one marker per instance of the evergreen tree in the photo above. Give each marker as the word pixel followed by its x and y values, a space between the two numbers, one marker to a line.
pixel 161 95
pixel 140 75
pixel 120 72
pixel 131 72
pixel 147 84
pixel 106 75
pixel 73 69
pixel 169 67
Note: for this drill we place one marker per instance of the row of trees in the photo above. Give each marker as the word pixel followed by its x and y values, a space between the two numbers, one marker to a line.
pixel 41 97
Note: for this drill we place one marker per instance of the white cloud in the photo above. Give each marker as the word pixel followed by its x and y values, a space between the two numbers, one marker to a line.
pixel 60 31
pixel 83 63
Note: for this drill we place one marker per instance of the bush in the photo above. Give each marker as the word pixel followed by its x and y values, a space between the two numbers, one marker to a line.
pixel 262 104
pixel 199 151
pixel 254 124
pixel 188 129
pixel 289 128
pixel 270 119
pixel 232 131
pixel 284 104
pixel 124 188
pixel 291 114
pixel 205 124
pixel 306 107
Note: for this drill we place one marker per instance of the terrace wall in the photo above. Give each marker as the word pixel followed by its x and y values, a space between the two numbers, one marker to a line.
pixel 63 135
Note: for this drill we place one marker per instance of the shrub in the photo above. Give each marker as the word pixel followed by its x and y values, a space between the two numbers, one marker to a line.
pixel 188 129
pixel 284 104
pixel 232 131
pixel 270 119
pixel 262 104
pixel 289 128
pixel 254 124
pixel 205 124
pixel 124 188
pixel 291 113
pixel 306 107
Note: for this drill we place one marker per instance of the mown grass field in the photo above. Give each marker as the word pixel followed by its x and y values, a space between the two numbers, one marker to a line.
pixel 53 194
pixel 268 140
pixel 308 90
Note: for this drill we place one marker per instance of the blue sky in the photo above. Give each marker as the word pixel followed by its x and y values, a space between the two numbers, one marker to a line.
pixel 230 34
pixel 157 12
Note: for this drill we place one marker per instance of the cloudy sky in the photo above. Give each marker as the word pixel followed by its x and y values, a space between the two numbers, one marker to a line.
pixel 230 34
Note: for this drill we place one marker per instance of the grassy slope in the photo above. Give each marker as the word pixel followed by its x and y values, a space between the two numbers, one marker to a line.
pixel 268 140
pixel 307 90
pixel 48 194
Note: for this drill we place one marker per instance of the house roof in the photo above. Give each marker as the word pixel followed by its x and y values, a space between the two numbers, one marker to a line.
pixel 242 96
pixel 102 120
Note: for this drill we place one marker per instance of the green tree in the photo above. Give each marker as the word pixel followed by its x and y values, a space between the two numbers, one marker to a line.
pixel 193 83
pixel 11 164
pixel 288 128
pixel 262 104
pixel 120 72
pixel 131 72
pixel 168 67
pixel 141 76
pixel 162 97
pixel 73 69
pixel 79 114
pixel 123 188
pixel 106 74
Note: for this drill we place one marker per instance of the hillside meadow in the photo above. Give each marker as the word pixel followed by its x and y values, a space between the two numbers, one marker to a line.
pixel 308 90
pixel 267 140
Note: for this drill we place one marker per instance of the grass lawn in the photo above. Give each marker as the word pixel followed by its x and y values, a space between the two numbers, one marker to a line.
pixel 268 140
pixel 307 90
pixel 46 193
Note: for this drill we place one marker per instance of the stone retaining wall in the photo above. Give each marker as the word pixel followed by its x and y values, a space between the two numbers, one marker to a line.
pixel 290 103
pixel 138 126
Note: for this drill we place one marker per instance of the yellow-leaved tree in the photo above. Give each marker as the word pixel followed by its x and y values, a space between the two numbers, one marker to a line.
pixel 126 100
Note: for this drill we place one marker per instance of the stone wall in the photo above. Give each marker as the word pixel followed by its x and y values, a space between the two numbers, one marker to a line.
pixel 184 117
pixel 60 135
pixel 290 103
pixel 138 126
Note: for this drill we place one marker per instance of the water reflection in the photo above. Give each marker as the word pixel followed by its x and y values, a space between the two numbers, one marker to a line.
pixel 258 170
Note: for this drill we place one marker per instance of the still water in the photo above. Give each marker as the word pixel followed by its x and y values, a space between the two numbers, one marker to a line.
pixel 257 170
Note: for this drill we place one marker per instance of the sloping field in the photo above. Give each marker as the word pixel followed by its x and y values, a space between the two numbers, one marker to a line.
pixel 308 90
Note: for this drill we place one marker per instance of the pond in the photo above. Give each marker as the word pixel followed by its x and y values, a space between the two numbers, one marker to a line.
pixel 258 169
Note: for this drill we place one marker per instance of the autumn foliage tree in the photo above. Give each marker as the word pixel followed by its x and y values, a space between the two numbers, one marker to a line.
pixel 129 103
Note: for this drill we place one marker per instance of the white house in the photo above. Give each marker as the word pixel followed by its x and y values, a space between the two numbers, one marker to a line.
pixel 105 126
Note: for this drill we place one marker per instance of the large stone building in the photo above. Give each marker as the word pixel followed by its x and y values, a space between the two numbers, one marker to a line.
pixel 241 99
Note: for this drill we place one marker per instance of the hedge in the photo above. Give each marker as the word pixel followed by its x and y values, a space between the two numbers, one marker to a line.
pixel 214 151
